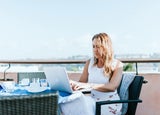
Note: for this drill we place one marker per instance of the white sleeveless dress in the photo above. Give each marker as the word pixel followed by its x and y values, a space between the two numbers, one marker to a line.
pixel 96 76
pixel 80 104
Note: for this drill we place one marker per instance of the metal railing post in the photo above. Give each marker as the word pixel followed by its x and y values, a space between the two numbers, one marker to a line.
pixel 136 68
pixel 9 65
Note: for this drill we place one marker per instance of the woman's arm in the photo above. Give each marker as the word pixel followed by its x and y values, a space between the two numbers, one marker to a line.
pixel 84 76
pixel 83 79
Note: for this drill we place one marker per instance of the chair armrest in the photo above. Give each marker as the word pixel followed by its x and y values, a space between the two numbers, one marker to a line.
pixel 118 101
pixel 99 103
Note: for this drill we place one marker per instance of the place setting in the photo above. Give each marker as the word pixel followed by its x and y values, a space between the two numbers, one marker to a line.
pixel 24 87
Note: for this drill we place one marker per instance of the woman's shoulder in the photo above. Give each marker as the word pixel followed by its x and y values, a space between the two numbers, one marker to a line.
pixel 117 63
pixel 90 60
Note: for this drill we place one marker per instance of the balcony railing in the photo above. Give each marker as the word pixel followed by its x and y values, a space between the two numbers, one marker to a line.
pixel 42 61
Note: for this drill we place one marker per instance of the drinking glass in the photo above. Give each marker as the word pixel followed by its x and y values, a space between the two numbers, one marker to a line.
pixel 43 83
pixel 35 82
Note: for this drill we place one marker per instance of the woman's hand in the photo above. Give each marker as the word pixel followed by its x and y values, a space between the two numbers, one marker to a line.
pixel 75 85
pixel 79 85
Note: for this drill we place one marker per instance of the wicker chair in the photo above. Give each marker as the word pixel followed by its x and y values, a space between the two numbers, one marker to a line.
pixel 133 100
pixel 33 104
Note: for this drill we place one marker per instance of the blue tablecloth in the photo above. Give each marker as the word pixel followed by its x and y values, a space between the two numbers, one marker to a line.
pixel 22 91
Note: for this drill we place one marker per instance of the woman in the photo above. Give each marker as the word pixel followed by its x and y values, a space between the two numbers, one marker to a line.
pixel 103 74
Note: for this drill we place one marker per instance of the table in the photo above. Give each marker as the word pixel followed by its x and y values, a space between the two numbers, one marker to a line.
pixel 22 102
pixel 21 90
pixel 62 98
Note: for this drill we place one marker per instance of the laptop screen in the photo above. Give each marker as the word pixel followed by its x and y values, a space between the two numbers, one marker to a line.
pixel 57 78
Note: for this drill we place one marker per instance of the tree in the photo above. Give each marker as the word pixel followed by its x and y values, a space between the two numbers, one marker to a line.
pixel 128 67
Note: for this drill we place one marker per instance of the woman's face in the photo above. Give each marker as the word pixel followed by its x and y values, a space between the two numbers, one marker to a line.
pixel 97 48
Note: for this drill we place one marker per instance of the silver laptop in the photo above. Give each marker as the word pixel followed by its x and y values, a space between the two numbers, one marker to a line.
pixel 58 79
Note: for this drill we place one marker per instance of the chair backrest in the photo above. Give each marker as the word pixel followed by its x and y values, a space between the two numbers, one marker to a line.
pixel 35 104
pixel 134 93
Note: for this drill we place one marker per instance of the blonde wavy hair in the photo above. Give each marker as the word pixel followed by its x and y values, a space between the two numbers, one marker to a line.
pixel 107 52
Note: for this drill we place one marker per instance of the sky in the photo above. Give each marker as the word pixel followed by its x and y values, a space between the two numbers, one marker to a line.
pixel 42 29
